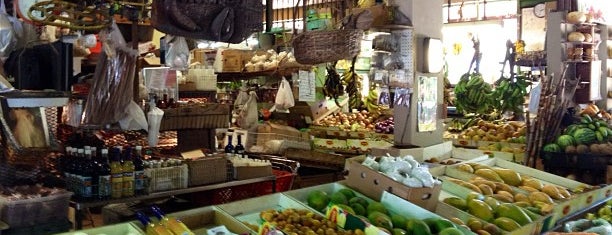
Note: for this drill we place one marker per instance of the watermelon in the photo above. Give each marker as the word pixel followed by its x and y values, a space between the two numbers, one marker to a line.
pixel 565 140
pixel 552 147
pixel 571 129
pixel 604 131
pixel 585 136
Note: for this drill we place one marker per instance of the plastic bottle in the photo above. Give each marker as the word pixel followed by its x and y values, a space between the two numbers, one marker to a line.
pixel 138 171
pixel 151 228
pixel 128 173
pixel 173 224
pixel 116 174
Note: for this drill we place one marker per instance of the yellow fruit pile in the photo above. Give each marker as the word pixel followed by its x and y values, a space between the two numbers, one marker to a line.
pixel 489 131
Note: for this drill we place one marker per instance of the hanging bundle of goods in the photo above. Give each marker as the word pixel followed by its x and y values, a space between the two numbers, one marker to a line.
pixel 510 94
pixel 352 80
pixel 333 87
pixel 556 95
pixel 473 94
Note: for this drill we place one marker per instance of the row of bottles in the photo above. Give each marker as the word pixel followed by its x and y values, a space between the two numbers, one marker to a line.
pixel 164 98
pixel 113 173
pixel 167 225
pixel 230 149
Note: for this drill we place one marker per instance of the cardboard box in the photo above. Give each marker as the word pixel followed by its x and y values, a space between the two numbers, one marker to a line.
pixel 419 154
pixel 201 219
pixel 562 208
pixel 250 172
pixel 366 145
pixel 330 144
pixel 122 228
pixel 247 211
pixel 372 184
pixel 230 60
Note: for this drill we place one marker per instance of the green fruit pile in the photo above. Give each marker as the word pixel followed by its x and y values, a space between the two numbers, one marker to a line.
pixel 378 215
pixel 494 216
pixel 589 136
pixel 473 94
pixel 605 212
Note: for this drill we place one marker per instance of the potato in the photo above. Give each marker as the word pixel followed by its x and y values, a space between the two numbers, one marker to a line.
pixel 576 37
pixel 576 17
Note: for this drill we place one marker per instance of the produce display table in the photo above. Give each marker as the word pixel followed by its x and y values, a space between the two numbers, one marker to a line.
pixel 79 206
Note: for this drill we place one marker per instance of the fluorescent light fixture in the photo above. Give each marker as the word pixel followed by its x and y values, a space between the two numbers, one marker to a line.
pixel 433 55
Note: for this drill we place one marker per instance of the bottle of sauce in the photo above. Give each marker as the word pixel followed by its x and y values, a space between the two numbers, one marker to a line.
pixel 116 174
pixel 138 171
pixel 128 173
pixel 104 176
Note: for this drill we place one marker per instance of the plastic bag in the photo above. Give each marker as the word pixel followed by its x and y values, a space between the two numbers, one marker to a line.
pixel 135 119
pixel 248 114
pixel 177 56
pixel 243 96
pixel 7 34
pixel 284 97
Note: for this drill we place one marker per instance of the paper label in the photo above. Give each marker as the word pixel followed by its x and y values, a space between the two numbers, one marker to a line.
pixel 307 86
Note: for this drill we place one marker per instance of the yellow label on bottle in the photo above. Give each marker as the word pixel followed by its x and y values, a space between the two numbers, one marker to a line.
pixel 117 185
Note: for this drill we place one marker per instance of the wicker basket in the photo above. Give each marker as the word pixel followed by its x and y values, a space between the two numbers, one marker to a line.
pixel 315 47
pixel 207 170
pixel 196 116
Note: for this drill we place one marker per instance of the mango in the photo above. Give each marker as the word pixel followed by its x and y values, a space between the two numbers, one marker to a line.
pixel 506 224
pixel 492 229
pixel 492 202
pixel 540 197
pixel 552 191
pixel 359 200
pixel 379 219
pixel 338 198
pixel 436 225
pixel 510 177
pixel 398 221
pixel 470 186
pixel 521 197
pixel 507 194
pixel 480 209
pixel 502 187
pixel 318 200
pixel 528 189
pixel 533 183
pixel 474 224
pixel 358 208
pixel 456 202
pixel 376 206
pixel 477 166
pixel 486 190
pixel 415 226
pixel 482 232
pixel 564 192
pixel 489 174
pixel 399 231
pixel 513 212
pixel 522 204
pixel 451 231
pixel 474 196
pixel 502 198
pixel 457 221
pixel 465 167
pixel 347 192
pixel 531 214
pixel 484 181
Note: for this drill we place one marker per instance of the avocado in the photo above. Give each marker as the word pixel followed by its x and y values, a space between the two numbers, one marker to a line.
pixel 481 210
pixel 377 206
pixel 380 220
pixel 359 200
pixel 347 192
pixel 318 200
pixel 415 226
pixel 358 208
pixel 450 231
pixel 398 221
pixel 338 198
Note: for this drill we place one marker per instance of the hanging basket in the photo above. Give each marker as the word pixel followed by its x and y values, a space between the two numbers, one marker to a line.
pixel 316 47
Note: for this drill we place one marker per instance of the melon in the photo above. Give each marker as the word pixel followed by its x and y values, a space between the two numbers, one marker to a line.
pixel 552 147
pixel 565 140
pixel 585 136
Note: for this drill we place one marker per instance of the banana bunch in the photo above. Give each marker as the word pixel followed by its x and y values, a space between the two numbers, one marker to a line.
pixel 448 99
pixel 352 81
pixel 333 85
pixel 371 102
pixel 510 95
pixel 473 94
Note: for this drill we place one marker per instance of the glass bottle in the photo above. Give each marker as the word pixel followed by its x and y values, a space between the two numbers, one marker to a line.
pixel 229 148
pixel 116 174
pixel 239 149
pixel 104 176
pixel 128 173
pixel 87 172
pixel 138 171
